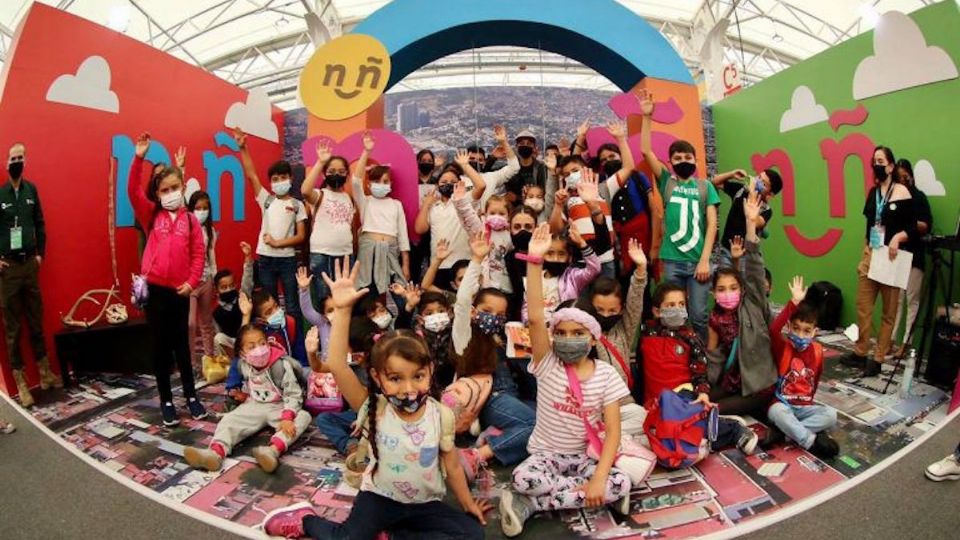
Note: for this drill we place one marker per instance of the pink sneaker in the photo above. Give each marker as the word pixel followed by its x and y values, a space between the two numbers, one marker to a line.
pixel 287 522
pixel 471 461
pixel 491 431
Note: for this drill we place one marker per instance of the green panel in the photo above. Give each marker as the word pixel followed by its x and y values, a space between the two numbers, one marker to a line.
pixel 918 123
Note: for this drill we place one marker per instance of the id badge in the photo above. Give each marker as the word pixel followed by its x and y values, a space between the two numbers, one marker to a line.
pixel 876 236
pixel 16 238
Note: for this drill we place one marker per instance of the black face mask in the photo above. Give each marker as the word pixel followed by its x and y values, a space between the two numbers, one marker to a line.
pixel 445 189
pixel 335 181
pixel 556 269
pixel 229 297
pixel 425 168
pixel 609 321
pixel 15 169
pixel 879 172
pixel 525 151
pixel 611 167
pixel 684 169
pixel 521 240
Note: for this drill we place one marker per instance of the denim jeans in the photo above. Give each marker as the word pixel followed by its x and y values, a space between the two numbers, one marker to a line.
pixel 609 269
pixel 682 273
pixel 322 263
pixel 282 269
pixel 337 427
pixel 372 514
pixel 515 419
pixel 802 424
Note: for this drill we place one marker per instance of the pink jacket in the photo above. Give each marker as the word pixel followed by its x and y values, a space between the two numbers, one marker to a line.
pixel 174 254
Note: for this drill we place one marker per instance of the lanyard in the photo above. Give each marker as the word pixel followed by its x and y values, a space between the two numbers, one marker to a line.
pixel 881 203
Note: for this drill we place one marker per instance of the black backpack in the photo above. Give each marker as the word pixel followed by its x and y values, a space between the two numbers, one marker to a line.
pixel 828 299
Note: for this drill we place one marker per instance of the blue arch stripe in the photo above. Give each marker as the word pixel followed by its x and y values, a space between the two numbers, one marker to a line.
pixel 601 34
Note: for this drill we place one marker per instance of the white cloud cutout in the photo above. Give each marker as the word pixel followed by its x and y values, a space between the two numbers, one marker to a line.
pixel 901 59
pixel 926 179
pixel 253 117
pixel 89 88
pixel 804 110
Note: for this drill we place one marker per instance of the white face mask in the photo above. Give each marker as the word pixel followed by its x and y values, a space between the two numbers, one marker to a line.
pixel 437 322
pixel 535 204
pixel 573 179
pixel 172 201
pixel 382 321
pixel 202 215
pixel 281 188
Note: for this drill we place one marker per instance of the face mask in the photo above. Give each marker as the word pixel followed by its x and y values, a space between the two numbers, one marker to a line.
pixel 880 172
pixel 611 167
pixel 609 321
pixel 425 168
pixel 438 322
pixel 525 151
pixel 202 215
pixel 571 350
pixel 229 297
pixel 383 320
pixel 728 300
pixel 334 181
pixel 535 204
pixel 474 164
pixel 521 240
pixel 172 200
pixel 446 190
pixel 556 269
pixel 408 403
pixel 684 169
pixel 488 323
pixel 799 343
pixel 573 179
pixel 15 169
pixel 259 357
pixel 497 223
pixel 281 188
pixel 277 318
pixel 673 317
pixel 380 190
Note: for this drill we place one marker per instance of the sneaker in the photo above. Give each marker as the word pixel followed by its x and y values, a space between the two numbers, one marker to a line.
pixel 7 428
pixel 773 437
pixel 853 360
pixel 947 468
pixel 871 368
pixel 197 411
pixel 267 457
pixel 485 435
pixel 747 441
pixel 287 522
pixel 169 413
pixel 824 447
pixel 514 511
pixel 202 458
pixel 471 461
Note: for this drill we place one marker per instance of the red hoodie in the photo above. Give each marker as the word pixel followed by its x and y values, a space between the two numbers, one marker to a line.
pixel 174 254
pixel 799 371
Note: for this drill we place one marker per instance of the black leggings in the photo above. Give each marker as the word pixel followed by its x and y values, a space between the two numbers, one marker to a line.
pixel 167 315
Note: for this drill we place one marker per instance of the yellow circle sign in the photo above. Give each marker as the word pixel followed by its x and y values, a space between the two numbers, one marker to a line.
pixel 345 77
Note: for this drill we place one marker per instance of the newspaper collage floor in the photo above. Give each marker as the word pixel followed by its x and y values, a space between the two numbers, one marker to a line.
pixel 115 420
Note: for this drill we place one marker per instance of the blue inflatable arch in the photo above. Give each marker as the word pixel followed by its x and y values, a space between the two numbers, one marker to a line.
pixel 601 34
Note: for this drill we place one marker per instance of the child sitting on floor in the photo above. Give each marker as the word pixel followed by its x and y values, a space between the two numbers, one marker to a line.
pixel 402 420
pixel 801 363
pixel 226 316
pixel 561 280
pixel 558 474
pixel 275 399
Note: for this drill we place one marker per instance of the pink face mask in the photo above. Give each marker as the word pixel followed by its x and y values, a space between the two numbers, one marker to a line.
pixel 497 223
pixel 728 300
pixel 259 357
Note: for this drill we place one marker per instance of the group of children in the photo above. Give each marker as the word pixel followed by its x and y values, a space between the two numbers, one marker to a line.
pixel 424 368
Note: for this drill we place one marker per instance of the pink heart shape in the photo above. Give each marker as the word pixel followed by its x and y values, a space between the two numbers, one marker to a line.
pixel 665 112
pixel 597 136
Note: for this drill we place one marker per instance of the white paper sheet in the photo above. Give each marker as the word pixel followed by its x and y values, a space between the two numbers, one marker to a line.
pixel 895 273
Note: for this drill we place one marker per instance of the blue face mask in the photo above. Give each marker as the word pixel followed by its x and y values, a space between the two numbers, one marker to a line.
pixel 408 403
pixel 277 318
pixel 799 343
pixel 379 190
pixel 488 323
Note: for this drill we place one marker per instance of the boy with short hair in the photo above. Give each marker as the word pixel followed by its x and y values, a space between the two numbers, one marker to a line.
pixel 800 361
pixel 768 184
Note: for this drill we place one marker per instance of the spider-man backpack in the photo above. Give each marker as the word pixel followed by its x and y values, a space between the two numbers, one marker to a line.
pixel 679 430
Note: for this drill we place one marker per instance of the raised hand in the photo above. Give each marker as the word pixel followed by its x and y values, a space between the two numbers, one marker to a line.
pixel 240 137
pixel 646 102
pixel 618 129
pixel 180 157
pixel 635 250
pixel 751 206
pixel 323 152
pixel 246 306
pixel 499 151
pixel 480 246
pixel 143 144
pixel 500 134
pixel 574 235
pixel 343 289
pixel 303 278
pixel 411 294
pixel 368 141
pixel 736 247
pixel 588 188
pixel 246 250
pixel 459 190
pixel 462 158
pixel 443 249
pixel 797 291
pixel 540 241
pixel 312 340
pixel 564 145
pixel 551 162
pixel 560 198
pixel 583 128
pixel 740 174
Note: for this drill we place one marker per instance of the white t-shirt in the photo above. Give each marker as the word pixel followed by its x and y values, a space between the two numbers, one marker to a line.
pixel 279 221
pixel 382 216
pixel 559 428
pixel 445 223
pixel 333 225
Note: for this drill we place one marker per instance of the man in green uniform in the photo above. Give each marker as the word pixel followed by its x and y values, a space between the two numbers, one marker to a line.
pixel 22 243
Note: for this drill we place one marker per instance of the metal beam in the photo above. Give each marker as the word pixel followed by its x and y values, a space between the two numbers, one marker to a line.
pixel 164 31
